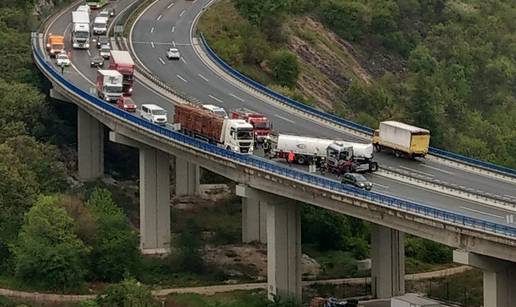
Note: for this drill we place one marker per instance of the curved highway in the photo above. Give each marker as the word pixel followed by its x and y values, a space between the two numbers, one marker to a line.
pixel 170 23
pixel 84 76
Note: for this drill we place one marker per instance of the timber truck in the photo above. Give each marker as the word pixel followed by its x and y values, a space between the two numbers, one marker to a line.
pixel 232 134
pixel 122 62
pixel 109 85
pixel 340 156
pixel 261 124
pixel 80 30
pixel 55 44
pixel 401 139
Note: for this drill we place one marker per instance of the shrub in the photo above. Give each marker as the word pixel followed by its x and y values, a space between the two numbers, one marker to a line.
pixel 285 67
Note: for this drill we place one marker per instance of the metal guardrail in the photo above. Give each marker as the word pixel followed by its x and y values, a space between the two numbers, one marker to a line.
pixel 340 121
pixel 274 168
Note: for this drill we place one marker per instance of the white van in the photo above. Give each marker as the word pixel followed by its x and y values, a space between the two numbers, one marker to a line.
pixel 215 109
pixel 100 25
pixel 154 114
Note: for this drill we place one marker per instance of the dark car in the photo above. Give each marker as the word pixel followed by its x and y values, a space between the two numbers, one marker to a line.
pixel 357 180
pixel 102 40
pixel 97 61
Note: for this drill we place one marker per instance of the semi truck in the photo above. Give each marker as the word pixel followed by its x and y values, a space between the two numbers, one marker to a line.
pixel 122 62
pixel 261 124
pixel 232 134
pixel 80 30
pixel 340 156
pixel 401 139
pixel 55 44
pixel 109 84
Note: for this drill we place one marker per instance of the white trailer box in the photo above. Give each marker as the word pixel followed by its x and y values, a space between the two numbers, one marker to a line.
pixel 360 150
pixel 84 8
pixel 399 134
pixel 80 17
pixel 301 145
pixel 412 300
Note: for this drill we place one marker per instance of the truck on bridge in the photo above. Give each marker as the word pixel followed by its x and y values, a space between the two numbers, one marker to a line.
pixel 55 44
pixel 232 134
pixel 122 62
pixel 80 30
pixel 402 139
pixel 261 124
pixel 109 85
pixel 339 156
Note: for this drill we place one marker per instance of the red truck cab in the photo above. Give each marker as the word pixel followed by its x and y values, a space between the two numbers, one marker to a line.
pixel 124 64
pixel 261 125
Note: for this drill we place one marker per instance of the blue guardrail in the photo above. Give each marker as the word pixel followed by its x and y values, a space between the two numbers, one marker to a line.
pixel 271 167
pixel 340 121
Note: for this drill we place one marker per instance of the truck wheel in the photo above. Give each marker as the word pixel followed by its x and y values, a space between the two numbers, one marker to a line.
pixel 301 160
pixel 378 147
pixel 397 154
pixel 373 167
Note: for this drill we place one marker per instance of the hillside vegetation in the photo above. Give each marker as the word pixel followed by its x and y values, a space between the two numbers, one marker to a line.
pixel 445 65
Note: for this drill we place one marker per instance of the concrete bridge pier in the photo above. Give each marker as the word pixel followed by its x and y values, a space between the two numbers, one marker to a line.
pixel 254 220
pixel 499 277
pixel 90 146
pixel 283 220
pixel 387 262
pixel 154 196
pixel 188 178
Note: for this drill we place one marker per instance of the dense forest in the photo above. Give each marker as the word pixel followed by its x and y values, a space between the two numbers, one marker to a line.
pixel 449 66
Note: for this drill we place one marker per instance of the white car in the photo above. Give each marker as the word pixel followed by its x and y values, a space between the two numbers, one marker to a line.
pixel 104 13
pixel 105 51
pixel 63 60
pixel 154 114
pixel 173 54
pixel 219 111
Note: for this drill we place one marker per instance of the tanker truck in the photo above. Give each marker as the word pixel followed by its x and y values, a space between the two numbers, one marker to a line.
pixel 340 156
pixel 232 134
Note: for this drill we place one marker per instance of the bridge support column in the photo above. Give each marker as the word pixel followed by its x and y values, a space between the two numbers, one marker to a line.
pixel 254 220
pixel 499 277
pixel 283 249
pixel 154 196
pixel 187 177
pixel 387 262
pixel 90 146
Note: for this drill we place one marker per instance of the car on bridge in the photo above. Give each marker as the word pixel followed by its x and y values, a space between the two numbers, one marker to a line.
pixel 154 114
pixel 126 103
pixel 102 40
pixel 63 60
pixel 357 180
pixel 97 61
pixel 173 54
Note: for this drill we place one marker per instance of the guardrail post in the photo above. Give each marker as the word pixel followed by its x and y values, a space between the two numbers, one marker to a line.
pixel 283 249
pixel 187 177
pixel 90 146
pixel 387 262
pixel 499 277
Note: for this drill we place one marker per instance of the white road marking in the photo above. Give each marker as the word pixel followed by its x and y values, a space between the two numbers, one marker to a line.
pixel 152 44
pixel 415 171
pixel 284 118
pixel 380 185
pixel 159 17
pixel 161 60
pixel 170 5
pixel 437 169
pixel 173 29
pixel 182 13
pixel 485 213
pixel 236 97
pixel 152 30
pixel 89 53
pixel 182 78
pixel 215 98
pixel 204 78
pixel 183 59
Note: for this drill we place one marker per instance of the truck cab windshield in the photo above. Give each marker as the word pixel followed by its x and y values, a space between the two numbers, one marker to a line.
pixel 262 125
pixel 244 134
pixel 81 34
pixel 113 89
pixel 57 46
pixel 99 25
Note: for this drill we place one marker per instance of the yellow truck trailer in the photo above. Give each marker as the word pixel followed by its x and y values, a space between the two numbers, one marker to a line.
pixel 402 139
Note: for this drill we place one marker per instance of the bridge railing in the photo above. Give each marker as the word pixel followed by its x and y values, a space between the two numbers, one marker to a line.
pixel 269 166
pixel 340 121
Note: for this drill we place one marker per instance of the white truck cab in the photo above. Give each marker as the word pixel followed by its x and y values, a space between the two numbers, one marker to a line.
pixel 238 136
pixel 100 25
pixel 216 110
pixel 154 114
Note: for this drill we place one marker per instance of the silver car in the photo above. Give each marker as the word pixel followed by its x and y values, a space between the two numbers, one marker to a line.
pixel 173 54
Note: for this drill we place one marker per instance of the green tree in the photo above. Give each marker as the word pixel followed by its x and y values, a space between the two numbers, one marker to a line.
pixel 47 251
pixel 115 250
pixel 187 255
pixel 257 12
pixel 349 19
pixel 285 67
pixel 128 293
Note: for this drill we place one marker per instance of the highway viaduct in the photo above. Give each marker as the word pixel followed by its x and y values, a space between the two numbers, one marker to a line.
pixel 271 206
